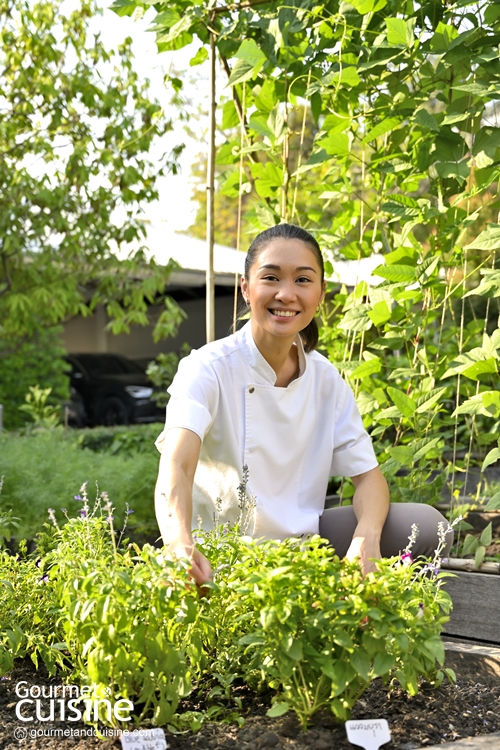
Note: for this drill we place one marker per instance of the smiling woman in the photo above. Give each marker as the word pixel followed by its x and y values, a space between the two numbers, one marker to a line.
pixel 263 398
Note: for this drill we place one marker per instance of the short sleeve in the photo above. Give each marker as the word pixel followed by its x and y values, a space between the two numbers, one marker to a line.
pixel 194 396
pixel 353 452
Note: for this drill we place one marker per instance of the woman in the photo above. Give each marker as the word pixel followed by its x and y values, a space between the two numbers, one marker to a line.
pixel 265 398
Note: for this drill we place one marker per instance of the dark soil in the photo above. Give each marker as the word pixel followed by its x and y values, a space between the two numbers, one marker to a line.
pixel 434 716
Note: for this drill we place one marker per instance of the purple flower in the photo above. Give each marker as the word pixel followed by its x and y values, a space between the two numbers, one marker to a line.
pixel 406 559
pixel 78 497
pixel 83 513
pixel 129 511
pixel 44 578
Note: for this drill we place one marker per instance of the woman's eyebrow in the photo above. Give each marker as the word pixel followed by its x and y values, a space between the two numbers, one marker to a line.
pixel 278 268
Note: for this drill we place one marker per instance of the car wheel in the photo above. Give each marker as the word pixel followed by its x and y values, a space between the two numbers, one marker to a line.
pixel 113 412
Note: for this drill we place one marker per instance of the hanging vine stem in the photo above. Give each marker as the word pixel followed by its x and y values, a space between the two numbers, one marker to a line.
pixel 301 144
pixel 285 159
pixel 457 398
pixel 240 203
pixel 473 418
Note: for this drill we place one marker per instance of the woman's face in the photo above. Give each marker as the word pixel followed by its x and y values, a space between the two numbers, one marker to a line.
pixel 284 288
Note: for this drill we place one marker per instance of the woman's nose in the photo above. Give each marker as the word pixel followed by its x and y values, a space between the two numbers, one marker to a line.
pixel 286 292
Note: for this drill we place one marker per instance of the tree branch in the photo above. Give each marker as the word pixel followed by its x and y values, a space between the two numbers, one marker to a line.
pixel 7 276
pixel 239 6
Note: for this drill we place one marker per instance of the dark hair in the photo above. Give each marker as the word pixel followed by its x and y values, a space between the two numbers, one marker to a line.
pixel 310 333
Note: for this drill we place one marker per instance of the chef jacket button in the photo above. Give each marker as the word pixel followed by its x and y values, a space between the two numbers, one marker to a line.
pixel 251 390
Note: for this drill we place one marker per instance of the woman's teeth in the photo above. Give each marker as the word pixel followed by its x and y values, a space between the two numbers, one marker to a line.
pixel 284 313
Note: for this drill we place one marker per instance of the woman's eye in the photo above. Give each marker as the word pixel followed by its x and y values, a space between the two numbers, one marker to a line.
pixel 270 278
pixel 303 278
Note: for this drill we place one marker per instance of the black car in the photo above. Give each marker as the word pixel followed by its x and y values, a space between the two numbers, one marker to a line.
pixel 114 390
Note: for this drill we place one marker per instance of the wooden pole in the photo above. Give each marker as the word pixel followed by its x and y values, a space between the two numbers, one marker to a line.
pixel 210 283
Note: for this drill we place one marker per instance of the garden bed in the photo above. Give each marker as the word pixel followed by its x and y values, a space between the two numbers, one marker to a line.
pixel 447 714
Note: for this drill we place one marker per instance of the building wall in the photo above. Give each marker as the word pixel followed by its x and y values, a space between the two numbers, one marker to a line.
pixel 87 335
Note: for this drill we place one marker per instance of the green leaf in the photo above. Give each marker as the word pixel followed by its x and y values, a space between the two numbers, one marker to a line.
pixel 337 143
pixel 386 126
pixel 123 7
pixel 356 319
pixel 383 663
pixel 230 118
pixel 250 60
pixel 488 239
pixel 396 273
pixel 365 369
pixel 486 403
pixel 424 118
pixel 402 453
pixel 479 556
pixel 470 545
pixel 360 661
pixel 425 402
pixel 368 6
pixel 494 502
pixel 200 58
pixel 435 647
pixel 404 403
pixel 277 709
pixel 486 535
pixel 295 650
pixel 400 33
pixel 242 71
pixel 380 313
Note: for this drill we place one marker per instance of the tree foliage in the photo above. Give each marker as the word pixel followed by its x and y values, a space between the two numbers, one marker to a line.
pixel 76 130
pixel 406 157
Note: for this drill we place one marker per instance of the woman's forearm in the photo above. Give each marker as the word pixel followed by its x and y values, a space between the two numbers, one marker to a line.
pixel 371 506
pixel 371 502
pixel 173 505
pixel 174 488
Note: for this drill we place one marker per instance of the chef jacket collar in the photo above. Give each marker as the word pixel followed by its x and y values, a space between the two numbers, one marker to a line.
pixel 258 362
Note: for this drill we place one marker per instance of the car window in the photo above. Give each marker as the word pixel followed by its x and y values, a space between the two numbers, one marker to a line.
pixel 129 365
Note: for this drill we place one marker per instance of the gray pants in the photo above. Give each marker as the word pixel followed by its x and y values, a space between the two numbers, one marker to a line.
pixel 338 525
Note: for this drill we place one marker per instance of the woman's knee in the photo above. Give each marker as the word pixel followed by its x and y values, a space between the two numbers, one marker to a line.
pixel 433 530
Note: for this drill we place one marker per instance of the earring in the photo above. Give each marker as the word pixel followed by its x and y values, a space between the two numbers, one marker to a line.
pixel 318 309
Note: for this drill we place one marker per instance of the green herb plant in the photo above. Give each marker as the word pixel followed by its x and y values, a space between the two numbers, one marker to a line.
pixel 43 414
pixel 287 616
pixel 296 619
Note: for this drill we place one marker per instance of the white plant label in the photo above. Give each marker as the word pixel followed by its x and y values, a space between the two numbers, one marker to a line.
pixel 368 733
pixel 144 739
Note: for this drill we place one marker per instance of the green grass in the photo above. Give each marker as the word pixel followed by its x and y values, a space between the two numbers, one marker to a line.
pixel 46 470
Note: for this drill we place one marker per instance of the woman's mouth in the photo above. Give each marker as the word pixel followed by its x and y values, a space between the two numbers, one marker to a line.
pixel 284 313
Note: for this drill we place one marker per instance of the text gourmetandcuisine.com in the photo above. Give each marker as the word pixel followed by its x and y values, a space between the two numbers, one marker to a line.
pixel 68 703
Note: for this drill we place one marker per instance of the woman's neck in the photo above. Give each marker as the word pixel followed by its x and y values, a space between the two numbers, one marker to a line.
pixel 280 354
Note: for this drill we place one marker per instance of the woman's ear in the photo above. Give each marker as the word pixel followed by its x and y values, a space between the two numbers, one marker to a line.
pixel 244 289
pixel 323 293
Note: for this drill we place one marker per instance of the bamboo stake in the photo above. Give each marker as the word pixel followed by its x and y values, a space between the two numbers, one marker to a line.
pixel 455 563
pixel 210 281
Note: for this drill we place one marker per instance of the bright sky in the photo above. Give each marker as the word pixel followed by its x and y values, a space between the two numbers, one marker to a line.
pixel 175 206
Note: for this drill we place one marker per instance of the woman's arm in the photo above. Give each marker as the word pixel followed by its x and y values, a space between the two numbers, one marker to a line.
pixel 371 506
pixel 174 498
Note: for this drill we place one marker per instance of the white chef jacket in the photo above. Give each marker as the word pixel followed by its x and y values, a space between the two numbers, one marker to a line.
pixel 292 439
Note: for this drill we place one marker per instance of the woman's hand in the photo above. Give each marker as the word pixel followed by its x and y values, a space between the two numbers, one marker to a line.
pixel 364 550
pixel 371 506
pixel 200 570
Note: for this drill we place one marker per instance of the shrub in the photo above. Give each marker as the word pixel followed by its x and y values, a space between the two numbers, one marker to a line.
pixel 287 616
pixel 41 471
pixel 26 362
